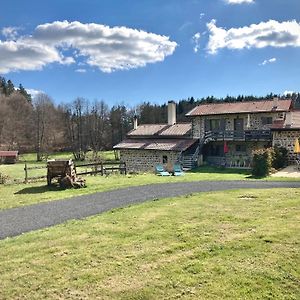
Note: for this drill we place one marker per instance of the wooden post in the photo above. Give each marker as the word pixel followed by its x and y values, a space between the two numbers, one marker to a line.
pixel 101 168
pixel 26 173
pixel 125 168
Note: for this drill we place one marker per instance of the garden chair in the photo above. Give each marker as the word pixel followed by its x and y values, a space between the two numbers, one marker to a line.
pixel 177 170
pixel 161 171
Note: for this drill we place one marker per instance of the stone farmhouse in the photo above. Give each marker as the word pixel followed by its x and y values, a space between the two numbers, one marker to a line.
pixel 222 134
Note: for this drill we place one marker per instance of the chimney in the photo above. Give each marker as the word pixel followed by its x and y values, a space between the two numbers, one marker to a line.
pixel 275 102
pixel 171 113
pixel 288 119
pixel 135 122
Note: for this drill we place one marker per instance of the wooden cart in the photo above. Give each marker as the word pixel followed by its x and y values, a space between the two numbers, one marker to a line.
pixel 60 169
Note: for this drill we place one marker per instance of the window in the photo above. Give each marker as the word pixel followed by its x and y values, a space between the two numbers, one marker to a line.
pixel 165 159
pixel 215 124
pixel 240 148
pixel 266 120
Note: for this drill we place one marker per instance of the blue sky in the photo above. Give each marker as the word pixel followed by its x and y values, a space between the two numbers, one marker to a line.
pixel 129 51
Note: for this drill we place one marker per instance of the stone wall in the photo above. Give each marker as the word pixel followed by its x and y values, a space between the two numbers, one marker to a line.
pixel 146 160
pixel 198 123
pixel 286 139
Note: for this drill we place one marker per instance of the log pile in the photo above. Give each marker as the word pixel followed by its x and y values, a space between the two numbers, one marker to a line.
pixel 65 172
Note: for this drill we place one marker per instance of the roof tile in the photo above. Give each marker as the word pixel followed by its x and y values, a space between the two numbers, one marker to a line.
pixel 240 107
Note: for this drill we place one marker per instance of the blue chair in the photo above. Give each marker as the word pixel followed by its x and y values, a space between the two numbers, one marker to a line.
pixel 161 171
pixel 177 170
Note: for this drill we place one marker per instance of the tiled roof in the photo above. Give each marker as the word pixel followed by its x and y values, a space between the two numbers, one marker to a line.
pixel 281 124
pixel 8 153
pixel 156 144
pixel 161 130
pixel 240 107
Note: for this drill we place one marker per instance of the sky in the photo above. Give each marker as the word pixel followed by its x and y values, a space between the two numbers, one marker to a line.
pixel 131 51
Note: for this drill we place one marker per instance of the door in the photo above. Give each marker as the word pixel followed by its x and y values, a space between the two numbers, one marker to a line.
pixel 239 128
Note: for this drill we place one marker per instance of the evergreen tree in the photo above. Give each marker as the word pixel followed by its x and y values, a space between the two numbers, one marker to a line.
pixel 23 92
pixel 10 88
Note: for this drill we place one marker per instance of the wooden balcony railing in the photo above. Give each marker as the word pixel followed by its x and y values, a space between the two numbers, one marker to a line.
pixel 233 135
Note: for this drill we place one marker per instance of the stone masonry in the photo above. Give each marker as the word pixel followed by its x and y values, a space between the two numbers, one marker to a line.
pixel 286 139
pixel 145 160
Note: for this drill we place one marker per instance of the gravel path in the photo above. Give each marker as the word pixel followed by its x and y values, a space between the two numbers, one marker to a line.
pixel 23 219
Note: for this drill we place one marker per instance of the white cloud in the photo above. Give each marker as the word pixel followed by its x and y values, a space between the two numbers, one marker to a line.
pixel 107 48
pixel 239 1
pixel 34 92
pixel 196 40
pixel 80 70
pixel 202 15
pixel 285 93
pixel 268 61
pixel 10 33
pixel 264 34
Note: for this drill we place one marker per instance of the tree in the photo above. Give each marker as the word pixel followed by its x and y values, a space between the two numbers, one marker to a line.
pixel 75 122
pixel 23 92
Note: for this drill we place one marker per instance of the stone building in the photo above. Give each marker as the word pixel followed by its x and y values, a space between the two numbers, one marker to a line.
pixel 219 133
pixel 285 132
pixel 229 132
pixel 150 144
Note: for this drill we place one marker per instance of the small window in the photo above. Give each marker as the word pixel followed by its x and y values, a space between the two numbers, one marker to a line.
pixel 215 124
pixel 240 148
pixel 266 120
pixel 165 159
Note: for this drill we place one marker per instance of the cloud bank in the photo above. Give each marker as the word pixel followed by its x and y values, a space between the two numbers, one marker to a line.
pixel 264 34
pixel 104 47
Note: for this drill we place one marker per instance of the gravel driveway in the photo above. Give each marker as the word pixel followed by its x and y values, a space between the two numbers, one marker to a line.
pixel 23 219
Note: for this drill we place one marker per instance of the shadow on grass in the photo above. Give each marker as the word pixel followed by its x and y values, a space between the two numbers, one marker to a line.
pixel 221 170
pixel 39 189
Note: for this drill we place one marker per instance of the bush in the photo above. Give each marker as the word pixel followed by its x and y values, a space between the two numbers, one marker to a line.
pixel 3 178
pixel 280 157
pixel 262 162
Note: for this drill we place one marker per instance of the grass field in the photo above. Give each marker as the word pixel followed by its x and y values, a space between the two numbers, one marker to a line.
pixel 24 194
pixel 15 172
pixel 221 245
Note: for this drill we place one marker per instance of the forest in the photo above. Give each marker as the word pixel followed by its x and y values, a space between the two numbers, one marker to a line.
pixel 38 124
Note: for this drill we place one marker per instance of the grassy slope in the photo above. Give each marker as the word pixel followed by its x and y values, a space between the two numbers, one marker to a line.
pixel 225 245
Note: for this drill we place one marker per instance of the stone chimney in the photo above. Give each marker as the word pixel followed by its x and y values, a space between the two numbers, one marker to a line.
pixel 171 113
pixel 275 102
pixel 135 122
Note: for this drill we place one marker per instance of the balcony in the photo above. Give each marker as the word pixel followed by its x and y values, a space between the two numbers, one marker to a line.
pixel 233 135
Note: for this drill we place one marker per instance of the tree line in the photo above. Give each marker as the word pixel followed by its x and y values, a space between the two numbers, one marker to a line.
pixel 44 127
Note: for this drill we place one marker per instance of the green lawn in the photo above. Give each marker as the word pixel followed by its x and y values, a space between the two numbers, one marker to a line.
pixel 222 245
pixel 24 194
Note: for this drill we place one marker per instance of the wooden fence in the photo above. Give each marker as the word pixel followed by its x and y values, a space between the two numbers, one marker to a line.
pixel 103 168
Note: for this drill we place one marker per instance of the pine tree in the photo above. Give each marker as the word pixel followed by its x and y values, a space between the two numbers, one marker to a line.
pixel 10 88
pixel 23 92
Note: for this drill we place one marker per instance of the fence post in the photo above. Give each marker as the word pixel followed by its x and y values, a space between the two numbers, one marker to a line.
pixel 26 173
pixel 101 168
pixel 125 168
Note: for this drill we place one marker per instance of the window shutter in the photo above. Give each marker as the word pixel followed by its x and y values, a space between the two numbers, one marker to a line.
pixel 207 125
pixel 223 124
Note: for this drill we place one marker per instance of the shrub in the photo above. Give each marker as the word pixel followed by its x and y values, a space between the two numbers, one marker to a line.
pixel 3 178
pixel 262 162
pixel 280 157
